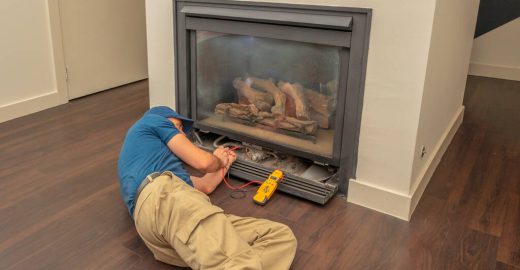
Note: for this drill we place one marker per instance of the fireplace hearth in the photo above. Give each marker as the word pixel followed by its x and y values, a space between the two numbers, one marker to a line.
pixel 282 82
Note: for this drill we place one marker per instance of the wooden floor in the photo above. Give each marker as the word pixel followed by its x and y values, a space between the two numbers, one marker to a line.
pixel 60 206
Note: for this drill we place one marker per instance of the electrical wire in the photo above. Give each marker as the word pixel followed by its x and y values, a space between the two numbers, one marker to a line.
pixel 237 189
pixel 234 148
pixel 240 189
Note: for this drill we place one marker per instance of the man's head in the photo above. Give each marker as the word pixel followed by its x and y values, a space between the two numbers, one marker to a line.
pixel 182 123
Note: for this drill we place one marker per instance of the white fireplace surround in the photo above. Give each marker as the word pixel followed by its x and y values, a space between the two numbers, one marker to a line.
pixel 416 75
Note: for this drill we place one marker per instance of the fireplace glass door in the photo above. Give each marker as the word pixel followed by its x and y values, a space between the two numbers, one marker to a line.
pixel 278 91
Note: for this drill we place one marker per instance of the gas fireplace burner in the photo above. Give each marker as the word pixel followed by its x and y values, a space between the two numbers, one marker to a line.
pixel 304 178
pixel 285 82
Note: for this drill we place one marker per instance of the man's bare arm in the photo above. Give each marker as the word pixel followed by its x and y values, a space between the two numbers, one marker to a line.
pixel 208 182
pixel 194 156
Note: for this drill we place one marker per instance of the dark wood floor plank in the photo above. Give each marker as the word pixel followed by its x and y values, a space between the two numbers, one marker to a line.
pixel 308 260
pixel 60 206
pixel 503 266
pixel 511 176
pixel 375 245
pixel 83 231
pixel 476 251
pixel 39 225
pixel 509 248
pixel 491 208
pixel 457 164
pixel 55 198
pixel 429 229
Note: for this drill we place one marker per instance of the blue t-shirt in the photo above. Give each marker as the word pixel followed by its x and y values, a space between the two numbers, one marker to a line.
pixel 145 151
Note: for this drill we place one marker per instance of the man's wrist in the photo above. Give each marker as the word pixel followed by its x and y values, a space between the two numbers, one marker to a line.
pixel 221 162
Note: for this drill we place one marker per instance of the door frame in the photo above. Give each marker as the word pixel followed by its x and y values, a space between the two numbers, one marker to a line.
pixel 60 69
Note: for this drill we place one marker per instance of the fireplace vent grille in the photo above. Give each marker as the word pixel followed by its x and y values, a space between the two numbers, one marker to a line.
pixel 311 190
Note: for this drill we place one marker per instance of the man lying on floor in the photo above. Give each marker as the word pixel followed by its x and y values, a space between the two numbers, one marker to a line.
pixel 172 213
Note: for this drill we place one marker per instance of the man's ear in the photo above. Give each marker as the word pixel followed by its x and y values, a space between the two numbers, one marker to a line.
pixel 176 122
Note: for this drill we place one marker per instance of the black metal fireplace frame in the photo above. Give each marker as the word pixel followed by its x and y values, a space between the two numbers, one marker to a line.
pixel 347 28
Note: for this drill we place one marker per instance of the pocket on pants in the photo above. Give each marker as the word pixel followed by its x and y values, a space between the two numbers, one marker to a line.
pixel 195 211
pixel 199 246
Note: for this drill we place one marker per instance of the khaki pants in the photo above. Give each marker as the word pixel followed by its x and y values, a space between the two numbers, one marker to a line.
pixel 181 227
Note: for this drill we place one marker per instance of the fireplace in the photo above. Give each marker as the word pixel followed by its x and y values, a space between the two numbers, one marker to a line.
pixel 283 82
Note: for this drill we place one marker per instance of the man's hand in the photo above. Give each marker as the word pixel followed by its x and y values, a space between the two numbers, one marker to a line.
pixel 225 156
pixel 232 156
pixel 210 181
pixel 222 156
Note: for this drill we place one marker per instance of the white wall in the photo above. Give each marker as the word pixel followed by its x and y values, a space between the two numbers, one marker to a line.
pixel 399 43
pixel 396 69
pixel 396 72
pixel 161 64
pixel 27 68
pixel 496 54
pixel 441 106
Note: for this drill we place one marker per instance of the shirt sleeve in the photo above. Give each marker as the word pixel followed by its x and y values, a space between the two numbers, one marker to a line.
pixel 164 128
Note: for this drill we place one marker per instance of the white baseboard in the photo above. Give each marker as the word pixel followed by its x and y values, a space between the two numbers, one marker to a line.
pixel 379 198
pixel 395 203
pixel 426 173
pixel 30 105
pixel 494 71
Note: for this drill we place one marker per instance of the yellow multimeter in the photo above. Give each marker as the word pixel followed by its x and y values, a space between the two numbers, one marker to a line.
pixel 268 187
